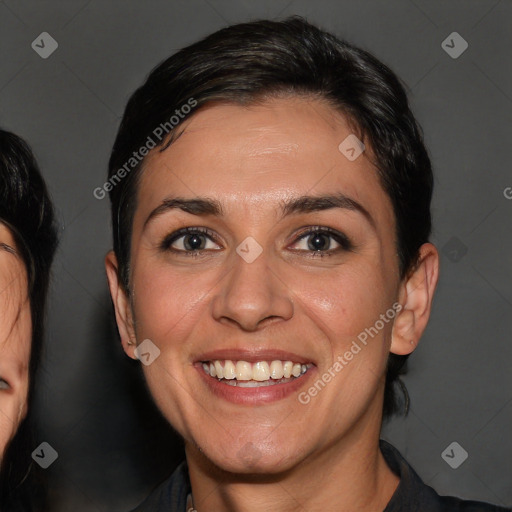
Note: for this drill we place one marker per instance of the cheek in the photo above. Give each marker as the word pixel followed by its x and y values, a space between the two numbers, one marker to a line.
pixel 344 303
pixel 167 302
pixel 7 427
pixel 12 409
pixel 171 309
pixel 347 308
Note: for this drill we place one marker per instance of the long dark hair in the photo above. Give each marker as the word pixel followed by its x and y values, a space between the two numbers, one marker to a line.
pixel 26 210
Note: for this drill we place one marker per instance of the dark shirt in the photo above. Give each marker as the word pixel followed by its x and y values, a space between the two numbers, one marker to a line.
pixel 411 495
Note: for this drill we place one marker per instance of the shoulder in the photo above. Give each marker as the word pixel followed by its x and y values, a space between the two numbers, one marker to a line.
pixel 413 495
pixel 450 503
pixel 170 495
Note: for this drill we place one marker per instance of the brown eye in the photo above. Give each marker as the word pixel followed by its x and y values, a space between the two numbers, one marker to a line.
pixel 194 242
pixel 319 242
pixel 322 240
pixel 190 240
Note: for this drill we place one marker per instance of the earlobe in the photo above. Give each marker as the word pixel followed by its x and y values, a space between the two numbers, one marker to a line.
pixel 416 295
pixel 403 333
pixel 122 307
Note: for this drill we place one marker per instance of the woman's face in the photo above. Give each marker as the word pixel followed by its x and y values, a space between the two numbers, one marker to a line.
pixel 290 255
pixel 15 338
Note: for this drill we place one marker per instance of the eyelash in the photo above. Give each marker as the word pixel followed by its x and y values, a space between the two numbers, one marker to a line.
pixel 340 238
pixel 166 243
pixel 4 384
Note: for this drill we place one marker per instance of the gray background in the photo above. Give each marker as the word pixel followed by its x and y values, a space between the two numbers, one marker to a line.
pixel 92 404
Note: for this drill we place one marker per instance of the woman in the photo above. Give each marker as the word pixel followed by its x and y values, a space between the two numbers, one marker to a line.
pixel 271 268
pixel 27 245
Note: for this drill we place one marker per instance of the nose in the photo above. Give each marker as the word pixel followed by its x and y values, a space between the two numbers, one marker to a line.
pixel 252 295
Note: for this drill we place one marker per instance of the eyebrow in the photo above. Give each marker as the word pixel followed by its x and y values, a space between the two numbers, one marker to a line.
pixel 8 248
pixel 308 204
pixel 302 204
pixel 195 206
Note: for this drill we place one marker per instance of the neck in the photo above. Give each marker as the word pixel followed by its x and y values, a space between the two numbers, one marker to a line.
pixel 350 474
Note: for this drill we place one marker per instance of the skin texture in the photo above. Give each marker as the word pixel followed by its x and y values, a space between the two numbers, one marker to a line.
pixel 323 455
pixel 15 336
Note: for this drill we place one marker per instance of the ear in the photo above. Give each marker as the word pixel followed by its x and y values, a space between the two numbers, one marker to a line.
pixel 416 294
pixel 122 306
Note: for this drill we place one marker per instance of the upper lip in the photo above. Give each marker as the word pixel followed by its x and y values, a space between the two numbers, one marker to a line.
pixel 252 356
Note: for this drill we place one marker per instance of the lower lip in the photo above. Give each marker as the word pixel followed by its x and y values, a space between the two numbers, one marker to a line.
pixel 257 395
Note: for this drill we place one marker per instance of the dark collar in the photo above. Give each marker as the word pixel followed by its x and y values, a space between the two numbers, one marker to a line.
pixel 411 495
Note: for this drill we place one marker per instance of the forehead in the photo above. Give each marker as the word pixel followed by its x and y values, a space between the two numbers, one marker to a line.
pixel 261 154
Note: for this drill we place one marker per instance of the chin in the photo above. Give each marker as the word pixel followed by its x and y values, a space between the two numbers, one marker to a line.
pixel 251 458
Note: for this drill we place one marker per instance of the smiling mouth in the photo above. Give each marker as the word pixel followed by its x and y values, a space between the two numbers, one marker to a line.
pixel 257 374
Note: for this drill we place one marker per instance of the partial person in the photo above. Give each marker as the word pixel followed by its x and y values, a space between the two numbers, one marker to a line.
pixel 28 240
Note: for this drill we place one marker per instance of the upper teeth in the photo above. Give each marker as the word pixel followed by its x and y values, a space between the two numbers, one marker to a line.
pixel 259 371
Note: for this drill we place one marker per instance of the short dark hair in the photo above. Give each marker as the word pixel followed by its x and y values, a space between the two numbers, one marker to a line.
pixel 249 62
pixel 26 210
